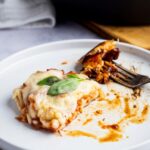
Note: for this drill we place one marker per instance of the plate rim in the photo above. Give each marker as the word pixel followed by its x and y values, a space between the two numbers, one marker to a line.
pixel 34 48
pixel 26 50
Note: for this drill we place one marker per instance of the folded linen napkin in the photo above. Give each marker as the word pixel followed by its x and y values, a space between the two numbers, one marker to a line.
pixel 34 13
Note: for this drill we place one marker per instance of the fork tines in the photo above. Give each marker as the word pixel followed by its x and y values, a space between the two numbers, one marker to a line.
pixel 128 78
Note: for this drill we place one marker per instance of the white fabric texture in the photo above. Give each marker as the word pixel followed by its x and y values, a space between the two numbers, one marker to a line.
pixel 29 13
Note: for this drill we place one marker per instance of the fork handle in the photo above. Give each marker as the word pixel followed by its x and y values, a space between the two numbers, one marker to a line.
pixel 148 81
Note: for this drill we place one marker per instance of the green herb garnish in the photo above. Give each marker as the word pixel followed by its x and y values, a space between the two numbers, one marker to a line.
pixel 58 86
pixel 73 76
pixel 64 86
pixel 49 81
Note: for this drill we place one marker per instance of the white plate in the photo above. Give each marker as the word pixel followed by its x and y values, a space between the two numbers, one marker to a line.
pixel 15 69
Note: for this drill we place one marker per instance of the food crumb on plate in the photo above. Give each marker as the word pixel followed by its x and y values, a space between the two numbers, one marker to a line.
pixel 65 62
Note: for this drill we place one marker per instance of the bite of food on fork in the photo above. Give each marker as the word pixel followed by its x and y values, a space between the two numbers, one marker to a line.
pixel 99 64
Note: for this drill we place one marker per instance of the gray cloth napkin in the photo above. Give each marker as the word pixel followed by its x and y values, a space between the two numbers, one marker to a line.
pixel 30 13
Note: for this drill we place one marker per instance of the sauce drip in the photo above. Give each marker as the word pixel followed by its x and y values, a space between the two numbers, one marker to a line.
pixel 127 107
pixel 87 121
pixel 98 112
pixel 112 126
pixel 114 133
pixel 142 118
pixel 77 133
pixel 112 136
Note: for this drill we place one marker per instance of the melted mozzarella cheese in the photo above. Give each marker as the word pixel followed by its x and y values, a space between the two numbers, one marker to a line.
pixel 53 108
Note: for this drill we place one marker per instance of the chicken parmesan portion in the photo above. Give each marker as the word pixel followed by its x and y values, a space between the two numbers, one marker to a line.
pixel 98 62
pixel 52 99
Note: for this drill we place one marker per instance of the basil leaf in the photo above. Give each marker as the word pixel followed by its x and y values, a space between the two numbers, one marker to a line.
pixel 64 86
pixel 75 77
pixel 72 76
pixel 49 80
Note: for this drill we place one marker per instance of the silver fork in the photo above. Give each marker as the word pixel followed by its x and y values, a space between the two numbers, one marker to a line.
pixel 128 78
